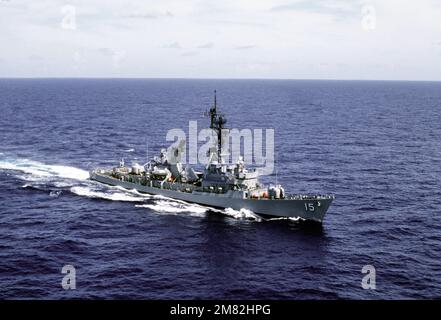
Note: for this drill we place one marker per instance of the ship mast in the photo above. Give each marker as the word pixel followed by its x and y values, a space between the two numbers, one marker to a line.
pixel 217 122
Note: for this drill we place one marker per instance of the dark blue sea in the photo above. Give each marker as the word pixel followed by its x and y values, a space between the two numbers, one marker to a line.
pixel 375 145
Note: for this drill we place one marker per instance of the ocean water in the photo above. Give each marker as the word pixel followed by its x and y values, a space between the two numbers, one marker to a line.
pixel 375 145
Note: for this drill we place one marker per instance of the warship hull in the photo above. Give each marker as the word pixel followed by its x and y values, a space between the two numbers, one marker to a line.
pixel 309 209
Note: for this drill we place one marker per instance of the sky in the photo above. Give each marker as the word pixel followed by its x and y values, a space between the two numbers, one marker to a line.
pixel 268 39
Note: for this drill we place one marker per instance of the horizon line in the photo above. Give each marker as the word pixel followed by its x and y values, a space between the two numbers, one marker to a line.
pixel 209 78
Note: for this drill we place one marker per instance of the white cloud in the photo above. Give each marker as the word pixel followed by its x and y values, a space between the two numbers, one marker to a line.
pixel 245 47
pixel 207 45
pixel 173 45
pixel 285 38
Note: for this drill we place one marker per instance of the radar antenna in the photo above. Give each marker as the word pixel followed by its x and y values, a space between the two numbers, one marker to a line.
pixel 217 123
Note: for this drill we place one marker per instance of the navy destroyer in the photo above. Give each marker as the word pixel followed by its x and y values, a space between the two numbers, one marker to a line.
pixel 218 185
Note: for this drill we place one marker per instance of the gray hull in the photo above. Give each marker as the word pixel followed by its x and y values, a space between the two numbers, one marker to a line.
pixel 308 209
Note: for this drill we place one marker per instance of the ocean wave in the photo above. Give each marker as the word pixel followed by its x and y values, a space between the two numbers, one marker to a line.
pixel 88 192
pixel 242 214
pixel 174 207
pixel 35 170
pixel 55 194
pixel 292 219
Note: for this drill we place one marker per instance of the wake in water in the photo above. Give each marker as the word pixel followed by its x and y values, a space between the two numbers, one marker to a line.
pixel 242 214
pixel 95 193
pixel 35 170
pixel 174 207
pixel 58 180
